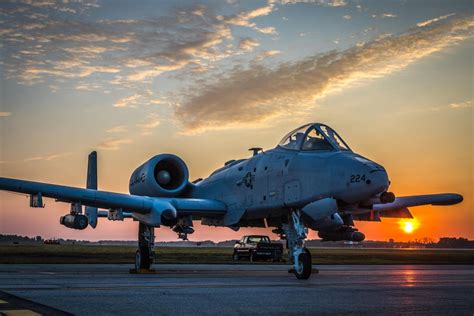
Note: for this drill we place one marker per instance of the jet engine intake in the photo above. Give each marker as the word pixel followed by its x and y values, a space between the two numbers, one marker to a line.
pixel 164 175
pixel 76 221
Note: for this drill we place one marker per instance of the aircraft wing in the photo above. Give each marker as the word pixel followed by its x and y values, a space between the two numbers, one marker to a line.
pixel 146 209
pixel 399 207
pixel 417 200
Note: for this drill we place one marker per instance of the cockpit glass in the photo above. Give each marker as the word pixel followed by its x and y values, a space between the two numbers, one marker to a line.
pixel 313 137
pixel 293 139
pixel 341 145
pixel 314 140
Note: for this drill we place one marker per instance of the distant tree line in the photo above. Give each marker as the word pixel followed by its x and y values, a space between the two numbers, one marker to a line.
pixel 444 242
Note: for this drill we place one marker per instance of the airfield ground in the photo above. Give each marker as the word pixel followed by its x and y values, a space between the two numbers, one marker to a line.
pixel 39 253
pixel 235 289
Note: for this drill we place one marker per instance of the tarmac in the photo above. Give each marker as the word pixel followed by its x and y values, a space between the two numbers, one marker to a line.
pixel 235 289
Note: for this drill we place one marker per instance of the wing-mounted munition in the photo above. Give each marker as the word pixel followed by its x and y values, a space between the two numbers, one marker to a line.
pixel 311 180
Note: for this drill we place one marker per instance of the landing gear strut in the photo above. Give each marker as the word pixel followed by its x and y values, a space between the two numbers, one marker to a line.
pixel 295 235
pixel 146 243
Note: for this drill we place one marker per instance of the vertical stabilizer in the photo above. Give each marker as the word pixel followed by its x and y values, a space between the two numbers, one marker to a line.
pixel 91 183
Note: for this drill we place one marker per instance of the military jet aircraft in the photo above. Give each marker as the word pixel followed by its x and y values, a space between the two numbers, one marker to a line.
pixel 311 180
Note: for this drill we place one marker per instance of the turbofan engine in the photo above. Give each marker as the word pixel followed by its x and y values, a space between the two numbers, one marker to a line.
pixel 164 175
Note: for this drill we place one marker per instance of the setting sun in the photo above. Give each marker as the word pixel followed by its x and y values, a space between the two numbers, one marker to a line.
pixel 409 226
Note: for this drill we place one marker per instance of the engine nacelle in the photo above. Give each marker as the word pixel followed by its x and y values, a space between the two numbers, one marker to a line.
pixel 76 221
pixel 164 175
pixel 349 234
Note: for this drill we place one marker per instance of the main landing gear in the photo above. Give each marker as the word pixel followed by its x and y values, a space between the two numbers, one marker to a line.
pixel 146 243
pixel 300 256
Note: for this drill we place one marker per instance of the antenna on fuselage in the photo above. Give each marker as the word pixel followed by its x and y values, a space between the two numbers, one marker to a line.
pixel 256 150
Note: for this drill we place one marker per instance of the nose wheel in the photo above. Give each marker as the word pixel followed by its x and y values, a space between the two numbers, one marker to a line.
pixel 304 269
pixel 301 257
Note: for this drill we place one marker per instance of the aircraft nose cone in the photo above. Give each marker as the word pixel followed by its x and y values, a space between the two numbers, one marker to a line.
pixel 163 177
pixel 379 180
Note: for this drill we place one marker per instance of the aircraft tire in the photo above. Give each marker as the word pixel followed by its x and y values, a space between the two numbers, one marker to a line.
pixel 305 272
pixel 142 259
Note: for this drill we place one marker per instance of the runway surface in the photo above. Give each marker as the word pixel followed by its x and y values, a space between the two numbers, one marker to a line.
pixel 238 289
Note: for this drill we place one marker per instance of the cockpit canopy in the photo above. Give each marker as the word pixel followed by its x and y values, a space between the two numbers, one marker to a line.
pixel 313 137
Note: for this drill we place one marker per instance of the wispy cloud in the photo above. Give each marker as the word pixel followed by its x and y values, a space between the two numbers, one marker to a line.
pixel 328 3
pixel 260 93
pixel 248 44
pixel 428 22
pixel 129 101
pixel 44 45
pixel 48 157
pixel 266 54
pixel 245 18
pixel 384 15
pixel 118 129
pixel 152 122
pixel 5 114
pixel 461 105
pixel 113 143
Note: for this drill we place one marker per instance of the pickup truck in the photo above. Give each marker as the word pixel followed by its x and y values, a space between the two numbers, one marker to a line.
pixel 256 247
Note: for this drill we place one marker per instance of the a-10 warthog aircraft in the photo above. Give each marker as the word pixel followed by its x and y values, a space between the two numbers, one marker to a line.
pixel 311 180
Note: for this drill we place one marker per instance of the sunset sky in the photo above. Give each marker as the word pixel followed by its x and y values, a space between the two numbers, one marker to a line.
pixel 208 80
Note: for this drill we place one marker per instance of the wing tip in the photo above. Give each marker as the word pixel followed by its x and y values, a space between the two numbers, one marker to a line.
pixel 451 199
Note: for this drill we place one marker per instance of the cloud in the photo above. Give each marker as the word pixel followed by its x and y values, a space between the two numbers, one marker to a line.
pixel 152 123
pixel 130 101
pixel 461 105
pixel 384 15
pixel 428 22
pixel 48 157
pixel 5 114
pixel 113 143
pixel 248 44
pixel 118 129
pixel 244 18
pixel 48 43
pixel 140 98
pixel 258 94
pixel 327 3
pixel 267 30
pixel 266 54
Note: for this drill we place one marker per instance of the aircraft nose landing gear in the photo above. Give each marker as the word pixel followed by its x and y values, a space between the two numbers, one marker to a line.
pixel 295 235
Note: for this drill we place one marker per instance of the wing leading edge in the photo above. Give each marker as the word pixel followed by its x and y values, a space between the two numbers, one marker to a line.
pixel 146 209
